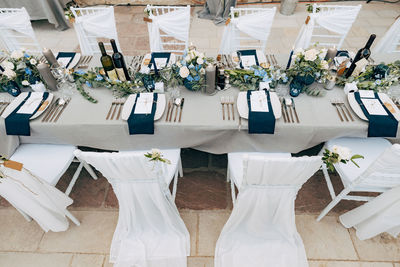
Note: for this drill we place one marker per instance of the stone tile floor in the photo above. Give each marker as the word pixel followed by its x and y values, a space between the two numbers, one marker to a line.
pixel 203 195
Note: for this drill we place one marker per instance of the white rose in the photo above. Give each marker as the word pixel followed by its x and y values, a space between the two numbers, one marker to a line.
pixel 324 64
pixel 8 65
pixel 184 72
pixel 17 54
pixel 33 61
pixel 9 73
pixel 199 61
pixel 202 55
pixel 311 54
pixel 299 51
pixel 25 83
pixel 344 153
pixel 187 58
pixel 155 152
pixel 335 149
pixel 294 56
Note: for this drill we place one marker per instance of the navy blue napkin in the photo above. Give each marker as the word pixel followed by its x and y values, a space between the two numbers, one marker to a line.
pixel 142 123
pixel 261 122
pixel 379 125
pixel 17 123
pixel 251 52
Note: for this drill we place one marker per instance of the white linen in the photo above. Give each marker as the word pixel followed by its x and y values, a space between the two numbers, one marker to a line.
pixel 382 214
pixel 31 104
pixel 175 24
pixel 35 197
pixel 99 25
pixel 150 231
pixel 256 25
pixel 389 42
pixel 17 21
pixel 338 21
pixel 261 230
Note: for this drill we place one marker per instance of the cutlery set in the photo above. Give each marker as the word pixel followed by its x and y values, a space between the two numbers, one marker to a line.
pixel 228 100
pixel 3 106
pixel 289 112
pixel 271 60
pixel 177 105
pixel 84 62
pixel 342 111
pixel 56 109
pixel 115 105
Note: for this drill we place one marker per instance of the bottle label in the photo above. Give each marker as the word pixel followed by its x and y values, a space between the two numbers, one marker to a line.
pixel 112 75
pixel 121 74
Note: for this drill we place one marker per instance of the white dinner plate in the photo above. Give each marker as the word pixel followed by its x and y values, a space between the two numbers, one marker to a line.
pixel 243 107
pixel 384 98
pixel 18 100
pixel 147 58
pixel 260 57
pixel 127 109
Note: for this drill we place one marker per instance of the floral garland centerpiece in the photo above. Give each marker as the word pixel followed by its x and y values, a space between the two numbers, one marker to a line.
pixel 19 70
pixel 309 65
pixel 192 69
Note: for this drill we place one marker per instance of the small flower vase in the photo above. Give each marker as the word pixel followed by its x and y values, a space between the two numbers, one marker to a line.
pixel 12 88
pixel 299 82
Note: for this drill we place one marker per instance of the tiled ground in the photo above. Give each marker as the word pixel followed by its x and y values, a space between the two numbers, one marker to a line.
pixel 203 195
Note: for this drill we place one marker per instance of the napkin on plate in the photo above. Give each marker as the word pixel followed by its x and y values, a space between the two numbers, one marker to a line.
pixel 141 119
pixel 261 115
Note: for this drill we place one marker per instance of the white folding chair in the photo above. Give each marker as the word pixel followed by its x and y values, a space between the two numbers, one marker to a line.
pixel 379 170
pixel 16 31
pixel 235 167
pixel 49 162
pixel 93 23
pixel 169 29
pixel 327 26
pixel 390 42
pixel 248 28
pixel 261 230
pixel 149 231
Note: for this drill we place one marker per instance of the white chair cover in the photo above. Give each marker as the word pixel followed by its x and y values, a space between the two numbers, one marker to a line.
pixel 261 230
pixel 100 24
pixel 150 231
pixel 17 21
pixel 256 25
pixel 338 21
pixel 382 214
pixel 390 41
pixel 174 23
pixel 35 197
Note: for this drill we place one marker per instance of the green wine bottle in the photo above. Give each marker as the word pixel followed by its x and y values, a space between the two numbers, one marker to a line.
pixel 107 63
pixel 119 63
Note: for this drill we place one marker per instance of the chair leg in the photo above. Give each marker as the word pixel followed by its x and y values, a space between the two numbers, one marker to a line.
pixel 74 178
pixel 328 181
pixel 180 167
pixel 174 187
pixel 72 217
pixel 26 216
pixel 333 203
pixel 233 193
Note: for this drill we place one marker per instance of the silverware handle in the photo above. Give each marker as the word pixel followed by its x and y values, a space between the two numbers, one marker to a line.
pixel 223 112
pixel 109 111
pixel 61 111
pixel 344 113
pixel 338 112
pixel 348 112
pixel 297 117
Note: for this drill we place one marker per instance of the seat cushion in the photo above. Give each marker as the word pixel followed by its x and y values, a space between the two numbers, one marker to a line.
pixel 172 154
pixel 370 148
pixel 235 163
pixel 46 161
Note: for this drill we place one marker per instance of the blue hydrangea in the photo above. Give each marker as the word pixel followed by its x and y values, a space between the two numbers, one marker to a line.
pixel 190 78
pixel 285 79
pixel 267 79
pixel 246 77
pixel 88 84
pixel 191 66
pixel 26 55
pixel 197 78
pixel 99 77
pixel 378 82
pixel 81 72
pixel 257 73
pixel 28 71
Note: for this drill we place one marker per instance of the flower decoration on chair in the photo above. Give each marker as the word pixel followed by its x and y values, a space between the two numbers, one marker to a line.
pixel 339 155
pixel 378 78
pixel 192 69
pixel 309 65
pixel 249 79
pixel 19 70
pixel 155 155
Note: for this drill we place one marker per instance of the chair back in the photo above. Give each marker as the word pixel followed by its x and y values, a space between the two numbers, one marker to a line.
pixel 385 171
pixel 390 42
pixel 16 31
pixel 95 24
pixel 169 29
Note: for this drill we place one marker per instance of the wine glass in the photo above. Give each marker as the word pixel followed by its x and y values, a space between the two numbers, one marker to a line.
pixel 61 74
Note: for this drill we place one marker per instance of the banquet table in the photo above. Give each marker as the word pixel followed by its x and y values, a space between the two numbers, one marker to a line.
pixel 202 127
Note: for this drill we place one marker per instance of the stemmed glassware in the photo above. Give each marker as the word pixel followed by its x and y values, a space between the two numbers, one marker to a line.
pixel 170 82
pixel 64 85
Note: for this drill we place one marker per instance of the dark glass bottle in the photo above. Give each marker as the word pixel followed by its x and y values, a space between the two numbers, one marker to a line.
pixel 119 63
pixel 107 63
pixel 364 52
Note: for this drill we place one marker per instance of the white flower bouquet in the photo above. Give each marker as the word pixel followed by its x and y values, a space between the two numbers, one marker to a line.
pixel 338 155
pixel 155 155
pixel 192 69
pixel 309 62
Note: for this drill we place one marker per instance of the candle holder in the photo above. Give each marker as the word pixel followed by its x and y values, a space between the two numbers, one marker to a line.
pixel 330 82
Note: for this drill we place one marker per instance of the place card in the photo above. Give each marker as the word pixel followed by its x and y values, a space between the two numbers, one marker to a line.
pixel 248 61
pixel 31 104
pixel 161 62
pixel 367 94
pixel 373 106
pixel 144 103
pixel 258 101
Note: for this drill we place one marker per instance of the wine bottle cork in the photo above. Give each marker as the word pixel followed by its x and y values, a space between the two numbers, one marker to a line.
pixel 47 76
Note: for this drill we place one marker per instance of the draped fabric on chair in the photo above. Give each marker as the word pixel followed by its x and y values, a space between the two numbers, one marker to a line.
pixel 382 214
pixel 261 230
pixel 174 23
pixel 100 23
pixel 257 25
pixel 338 21
pixel 390 42
pixel 17 20
pixel 150 231
pixel 36 198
